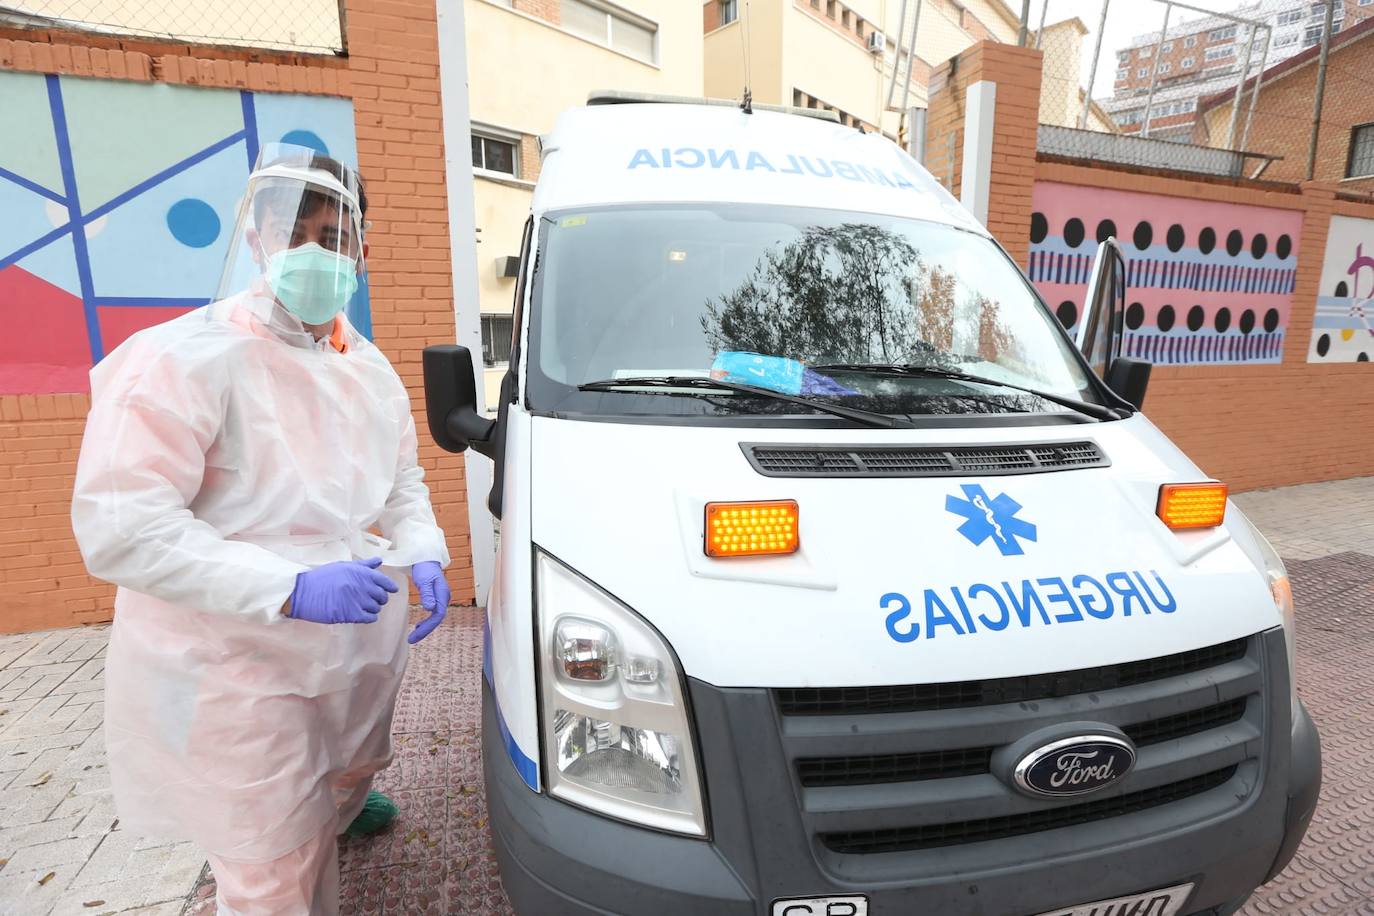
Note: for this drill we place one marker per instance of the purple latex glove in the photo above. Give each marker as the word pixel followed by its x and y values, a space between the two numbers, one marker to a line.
pixel 349 591
pixel 428 577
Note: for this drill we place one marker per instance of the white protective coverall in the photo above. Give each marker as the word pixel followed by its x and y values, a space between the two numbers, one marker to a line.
pixel 226 451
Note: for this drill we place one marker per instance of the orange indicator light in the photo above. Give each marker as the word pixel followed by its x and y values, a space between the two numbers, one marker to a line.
pixel 751 529
pixel 1192 505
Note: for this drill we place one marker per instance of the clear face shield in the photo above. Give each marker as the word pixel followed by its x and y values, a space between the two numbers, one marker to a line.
pixel 297 248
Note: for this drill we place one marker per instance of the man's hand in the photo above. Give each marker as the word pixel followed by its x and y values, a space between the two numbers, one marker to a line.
pixel 434 597
pixel 349 591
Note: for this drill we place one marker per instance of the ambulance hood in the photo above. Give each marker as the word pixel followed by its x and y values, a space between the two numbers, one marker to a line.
pixel 898 579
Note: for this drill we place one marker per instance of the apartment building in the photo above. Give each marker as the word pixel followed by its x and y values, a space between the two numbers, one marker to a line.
pixel 527 61
pixel 839 55
pixel 1201 57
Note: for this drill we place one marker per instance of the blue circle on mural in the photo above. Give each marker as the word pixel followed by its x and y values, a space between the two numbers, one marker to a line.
pixel 306 138
pixel 193 222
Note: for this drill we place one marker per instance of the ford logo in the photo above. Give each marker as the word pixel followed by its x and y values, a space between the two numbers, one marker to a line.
pixel 1074 766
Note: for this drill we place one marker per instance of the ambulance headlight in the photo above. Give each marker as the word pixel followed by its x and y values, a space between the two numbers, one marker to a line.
pixel 617 736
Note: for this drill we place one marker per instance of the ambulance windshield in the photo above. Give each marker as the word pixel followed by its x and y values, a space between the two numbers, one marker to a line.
pixel 819 303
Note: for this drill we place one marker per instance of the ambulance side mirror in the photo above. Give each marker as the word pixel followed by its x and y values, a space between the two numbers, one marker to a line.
pixel 1129 378
pixel 1102 329
pixel 451 401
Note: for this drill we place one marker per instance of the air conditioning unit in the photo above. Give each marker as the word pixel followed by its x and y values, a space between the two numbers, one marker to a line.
pixel 877 42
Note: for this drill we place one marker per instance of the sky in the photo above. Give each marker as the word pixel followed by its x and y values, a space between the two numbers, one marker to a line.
pixel 1125 20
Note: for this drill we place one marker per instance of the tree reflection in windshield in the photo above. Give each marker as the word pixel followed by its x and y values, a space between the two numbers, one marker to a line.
pixel 852 293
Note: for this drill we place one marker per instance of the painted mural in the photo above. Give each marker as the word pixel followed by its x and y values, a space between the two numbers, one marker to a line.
pixel 1208 282
pixel 118 199
pixel 1343 325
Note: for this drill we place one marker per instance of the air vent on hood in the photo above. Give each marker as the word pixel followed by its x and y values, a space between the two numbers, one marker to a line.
pixel 921 461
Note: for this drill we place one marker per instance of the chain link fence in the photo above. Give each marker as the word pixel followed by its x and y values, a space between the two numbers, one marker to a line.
pixel 308 26
pixel 1221 90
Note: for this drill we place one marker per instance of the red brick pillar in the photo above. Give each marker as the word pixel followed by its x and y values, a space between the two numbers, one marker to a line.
pixel 393 59
pixel 1015 72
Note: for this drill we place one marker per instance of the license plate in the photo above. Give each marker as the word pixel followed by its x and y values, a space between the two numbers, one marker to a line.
pixel 1165 902
pixel 851 905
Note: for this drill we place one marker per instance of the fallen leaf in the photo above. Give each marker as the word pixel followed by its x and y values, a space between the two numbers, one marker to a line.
pixel 4 862
pixel 409 836
pixel 42 781
pixel 468 790
pixel 482 822
pixel 433 751
pixel 90 903
pixel 46 878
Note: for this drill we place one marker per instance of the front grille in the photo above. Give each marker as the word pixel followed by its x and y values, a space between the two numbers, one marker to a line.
pixel 922 461
pixel 931 836
pixel 973 761
pixel 876 768
pixel 1186 723
pixel 793 701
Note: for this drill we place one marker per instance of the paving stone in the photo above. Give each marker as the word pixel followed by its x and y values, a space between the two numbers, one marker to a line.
pixel 63 852
pixel 32 893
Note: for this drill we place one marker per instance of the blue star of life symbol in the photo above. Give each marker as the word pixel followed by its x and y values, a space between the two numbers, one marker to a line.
pixel 991 518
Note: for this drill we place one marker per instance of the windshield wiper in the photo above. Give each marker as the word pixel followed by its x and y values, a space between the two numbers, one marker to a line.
pixel 1097 411
pixel 699 383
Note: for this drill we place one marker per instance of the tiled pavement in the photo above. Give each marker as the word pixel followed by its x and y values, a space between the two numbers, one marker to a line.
pixel 57 819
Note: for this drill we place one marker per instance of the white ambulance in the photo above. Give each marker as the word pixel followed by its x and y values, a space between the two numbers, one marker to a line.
pixel 835 577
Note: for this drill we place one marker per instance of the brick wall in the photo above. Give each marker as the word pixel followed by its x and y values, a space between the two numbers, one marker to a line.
pixel 1251 425
pixel 547 10
pixel 710 16
pixel 391 74
pixel 1259 425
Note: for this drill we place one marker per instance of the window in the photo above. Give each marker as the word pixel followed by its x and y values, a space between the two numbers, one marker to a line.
pixel 1317 11
pixel 830 8
pixel 1219 53
pixel 612 28
pixel 1190 41
pixel 1123 73
pixel 1145 52
pixel 1143 72
pixel 1165 67
pixel 729 11
pixel 1166 47
pixel 1366 2
pixel 1186 63
pixel 844 18
pixel 1289 16
pixel 495 154
pixel 1124 57
pixel 497 331
pixel 1286 39
pixel 1222 34
pixel 1313 35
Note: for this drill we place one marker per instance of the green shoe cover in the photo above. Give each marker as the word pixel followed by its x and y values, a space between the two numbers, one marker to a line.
pixel 378 813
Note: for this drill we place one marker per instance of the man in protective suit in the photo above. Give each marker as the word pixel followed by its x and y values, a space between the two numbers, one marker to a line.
pixel 249 480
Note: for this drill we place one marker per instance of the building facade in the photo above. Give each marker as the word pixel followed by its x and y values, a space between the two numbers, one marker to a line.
pixel 528 60
pixel 840 55
pixel 1282 124
pixel 1201 57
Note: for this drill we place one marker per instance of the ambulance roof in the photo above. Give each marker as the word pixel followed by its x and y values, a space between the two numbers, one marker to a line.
pixel 605 155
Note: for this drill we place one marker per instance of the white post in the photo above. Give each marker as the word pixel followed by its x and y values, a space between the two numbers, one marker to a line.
pixel 980 107
pixel 916 133
pixel 453 85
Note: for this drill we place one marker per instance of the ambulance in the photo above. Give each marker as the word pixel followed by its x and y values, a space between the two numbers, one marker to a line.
pixel 836 577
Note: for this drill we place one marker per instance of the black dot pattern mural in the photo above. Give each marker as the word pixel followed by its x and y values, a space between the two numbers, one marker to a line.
pixel 1208 281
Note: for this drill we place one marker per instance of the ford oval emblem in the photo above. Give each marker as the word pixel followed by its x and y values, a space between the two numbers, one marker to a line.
pixel 1075 766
